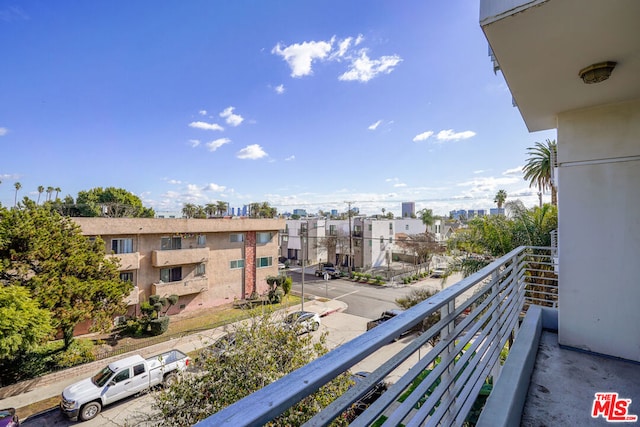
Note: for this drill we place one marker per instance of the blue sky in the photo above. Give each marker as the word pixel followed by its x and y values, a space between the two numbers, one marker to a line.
pixel 301 104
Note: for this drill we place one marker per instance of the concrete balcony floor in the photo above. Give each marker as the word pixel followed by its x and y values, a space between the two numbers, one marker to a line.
pixel 564 382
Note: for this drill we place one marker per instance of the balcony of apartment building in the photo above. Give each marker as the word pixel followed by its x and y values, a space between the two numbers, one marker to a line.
pixel 128 261
pixel 134 297
pixel 168 257
pixel 493 359
pixel 188 286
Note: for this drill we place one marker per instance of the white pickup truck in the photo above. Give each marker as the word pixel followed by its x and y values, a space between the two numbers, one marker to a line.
pixel 120 379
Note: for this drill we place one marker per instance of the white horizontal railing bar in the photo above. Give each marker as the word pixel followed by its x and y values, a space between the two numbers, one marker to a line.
pixel 505 273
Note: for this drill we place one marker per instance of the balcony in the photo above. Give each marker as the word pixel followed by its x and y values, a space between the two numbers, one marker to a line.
pixel 179 257
pixel 182 287
pixel 134 297
pixel 504 306
pixel 130 261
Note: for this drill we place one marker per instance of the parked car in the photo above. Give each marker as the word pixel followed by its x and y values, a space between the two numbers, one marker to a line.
pixel 8 418
pixel 437 273
pixel 220 348
pixel 367 399
pixel 120 379
pixel 328 269
pixel 303 321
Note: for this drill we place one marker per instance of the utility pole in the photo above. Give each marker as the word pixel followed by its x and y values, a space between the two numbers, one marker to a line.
pixel 303 234
pixel 350 239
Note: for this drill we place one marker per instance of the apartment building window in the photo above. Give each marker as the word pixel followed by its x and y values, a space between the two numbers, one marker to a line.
pixel 122 246
pixel 356 243
pixel 265 261
pixel 381 242
pixel 285 238
pixel 303 228
pixel 236 237
pixel 168 243
pixel 390 228
pixel 236 263
pixel 263 237
pixel 201 240
pixel 406 227
pixel 126 276
pixel 333 231
pixel 171 274
pixel 390 240
pixel 370 227
pixel 200 269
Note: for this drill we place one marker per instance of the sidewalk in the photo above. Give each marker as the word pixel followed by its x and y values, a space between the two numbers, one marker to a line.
pixel 185 344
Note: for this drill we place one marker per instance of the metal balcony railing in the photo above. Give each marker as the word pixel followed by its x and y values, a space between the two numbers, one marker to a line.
pixel 479 318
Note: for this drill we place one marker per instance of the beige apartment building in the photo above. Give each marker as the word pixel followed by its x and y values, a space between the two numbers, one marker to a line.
pixel 206 262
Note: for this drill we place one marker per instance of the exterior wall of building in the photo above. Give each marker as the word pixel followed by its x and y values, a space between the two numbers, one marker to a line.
pixel 599 176
pixel 207 278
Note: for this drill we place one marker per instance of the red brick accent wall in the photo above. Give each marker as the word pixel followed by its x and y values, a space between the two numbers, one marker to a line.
pixel 249 263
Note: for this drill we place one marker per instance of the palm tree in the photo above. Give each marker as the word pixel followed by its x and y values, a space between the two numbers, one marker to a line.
pixel 538 168
pixel 57 190
pixel 501 196
pixel 210 209
pixel 221 207
pixel 40 191
pixel 49 191
pixel 189 210
pixel 426 216
pixel 17 186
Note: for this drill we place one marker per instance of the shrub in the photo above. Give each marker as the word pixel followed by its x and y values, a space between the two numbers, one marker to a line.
pixel 153 299
pixel 157 307
pixel 286 286
pixel 79 352
pixel 173 299
pixel 159 326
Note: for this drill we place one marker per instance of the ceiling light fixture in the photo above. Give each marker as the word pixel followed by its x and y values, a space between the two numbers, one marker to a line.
pixel 597 73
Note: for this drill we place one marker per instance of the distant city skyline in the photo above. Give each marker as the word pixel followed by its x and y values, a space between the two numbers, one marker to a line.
pixel 288 103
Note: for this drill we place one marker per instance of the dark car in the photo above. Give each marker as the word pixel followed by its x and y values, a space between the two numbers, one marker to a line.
pixel 8 418
pixel 219 349
pixel 367 399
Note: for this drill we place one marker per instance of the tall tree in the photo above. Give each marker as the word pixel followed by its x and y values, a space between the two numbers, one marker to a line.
pixel 17 186
pixel 23 324
pixel 67 274
pixel 501 197
pixel 40 191
pixel 210 209
pixel 426 216
pixel 111 202
pixel 222 207
pixel 538 168
pixel 57 190
pixel 49 192
pixel 189 210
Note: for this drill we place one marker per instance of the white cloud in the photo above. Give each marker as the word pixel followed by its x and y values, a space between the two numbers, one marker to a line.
pixel 174 181
pixel 450 135
pixel 300 56
pixel 363 68
pixel 290 158
pixel 515 171
pixel 423 136
pixel 3 131
pixel 375 125
pixel 479 171
pixel 214 187
pixel 230 118
pixel 251 152
pixel 279 89
pixel 217 143
pixel 399 185
pixel 359 40
pixel 202 112
pixel 343 48
pixel 206 126
pixel 194 142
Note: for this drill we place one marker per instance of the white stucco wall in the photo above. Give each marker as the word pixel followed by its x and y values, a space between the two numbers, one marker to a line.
pixel 599 229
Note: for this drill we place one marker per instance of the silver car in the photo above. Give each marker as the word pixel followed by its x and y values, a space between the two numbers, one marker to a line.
pixel 303 321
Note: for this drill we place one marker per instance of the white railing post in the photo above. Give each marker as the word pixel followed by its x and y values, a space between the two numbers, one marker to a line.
pixel 447 356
